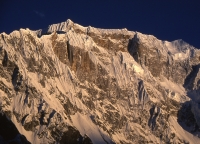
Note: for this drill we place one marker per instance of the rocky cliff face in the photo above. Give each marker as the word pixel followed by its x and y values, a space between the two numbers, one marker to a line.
pixel 75 84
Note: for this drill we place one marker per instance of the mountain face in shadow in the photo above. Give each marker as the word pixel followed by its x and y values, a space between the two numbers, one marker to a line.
pixel 9 133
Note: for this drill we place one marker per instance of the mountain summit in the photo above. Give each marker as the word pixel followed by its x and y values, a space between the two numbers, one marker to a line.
pixel 73 84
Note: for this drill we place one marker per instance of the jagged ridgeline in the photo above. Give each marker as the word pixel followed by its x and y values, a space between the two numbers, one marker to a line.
pixel 71 84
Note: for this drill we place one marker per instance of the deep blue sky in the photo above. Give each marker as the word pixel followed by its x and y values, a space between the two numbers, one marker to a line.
pixel 165 19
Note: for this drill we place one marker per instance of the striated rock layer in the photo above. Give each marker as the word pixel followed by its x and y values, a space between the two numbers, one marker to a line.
pixel 75 84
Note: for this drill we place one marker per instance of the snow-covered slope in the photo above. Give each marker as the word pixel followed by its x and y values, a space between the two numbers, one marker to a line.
pixel 75 84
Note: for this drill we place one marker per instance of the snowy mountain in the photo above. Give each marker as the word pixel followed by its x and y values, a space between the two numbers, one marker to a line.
pixel 73 84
